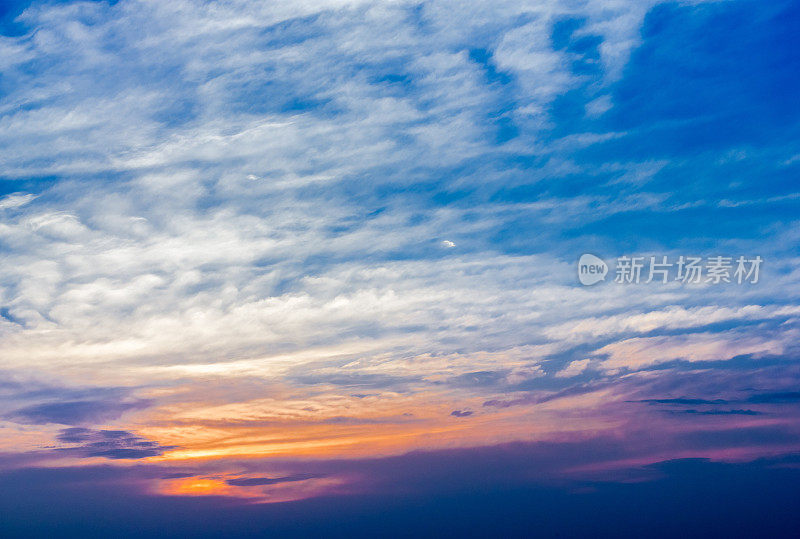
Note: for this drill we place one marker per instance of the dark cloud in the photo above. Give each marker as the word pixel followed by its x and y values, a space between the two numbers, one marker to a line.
pixel 714 412
pixel 80 412
pixel 499 403
pixel 20 389
pixel 786 397
pixel 461 413
pixel 111 444
pixel 33 402
pixel 259 481
pixel 780 397
pixel 540 397
pixel 177 475
pixel 682 402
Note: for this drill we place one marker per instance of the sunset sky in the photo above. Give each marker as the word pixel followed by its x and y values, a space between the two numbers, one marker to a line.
pixel 311 267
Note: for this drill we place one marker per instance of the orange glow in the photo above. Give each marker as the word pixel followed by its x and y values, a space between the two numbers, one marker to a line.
pixel 341 426
pixel 274 493
pixel 196 487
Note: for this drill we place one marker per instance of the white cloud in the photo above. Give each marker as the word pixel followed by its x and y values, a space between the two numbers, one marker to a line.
pixel 574 368
pixel 642 352
pixel 15 200
pixel 204 220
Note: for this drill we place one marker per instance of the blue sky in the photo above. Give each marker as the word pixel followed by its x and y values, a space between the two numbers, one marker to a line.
pixel 249 247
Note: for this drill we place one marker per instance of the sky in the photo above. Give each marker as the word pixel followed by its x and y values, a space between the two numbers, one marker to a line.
pixel 311 267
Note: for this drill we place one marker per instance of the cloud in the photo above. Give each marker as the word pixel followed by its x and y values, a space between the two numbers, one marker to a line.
pixel 260 481
pixel 574 368
pixel 111 444
pixel 74 412
pixel 684 401
pixel 785 397
pixel 639 353
pixel 15 200
pixel 715 412
pixel 180 257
